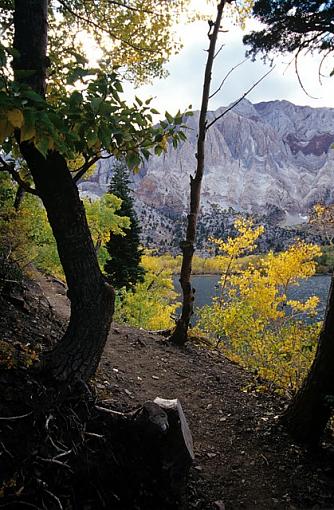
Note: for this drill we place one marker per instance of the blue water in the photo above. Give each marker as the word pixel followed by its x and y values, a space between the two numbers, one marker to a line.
pixel 207 287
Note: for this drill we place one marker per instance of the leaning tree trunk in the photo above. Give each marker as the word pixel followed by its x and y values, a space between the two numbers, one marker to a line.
pixel 78 353
pixel 180 334
pixel 310 410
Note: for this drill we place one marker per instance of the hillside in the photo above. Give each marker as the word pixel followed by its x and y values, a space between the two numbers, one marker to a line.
pixel 272 160
pixel 243 458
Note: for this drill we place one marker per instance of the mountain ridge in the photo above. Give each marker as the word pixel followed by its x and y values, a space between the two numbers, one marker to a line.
pixel 258 156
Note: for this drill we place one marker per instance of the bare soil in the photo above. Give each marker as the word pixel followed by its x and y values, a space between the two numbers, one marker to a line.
pixel 244 459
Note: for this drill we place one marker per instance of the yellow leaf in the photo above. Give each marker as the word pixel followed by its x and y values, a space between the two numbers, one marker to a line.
pixel 5 129
pixel 27 133
pixel 15 117
pixel 51 144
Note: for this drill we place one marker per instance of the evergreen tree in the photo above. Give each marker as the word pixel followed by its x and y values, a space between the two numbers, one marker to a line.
pixel 124 266
pixel 291 26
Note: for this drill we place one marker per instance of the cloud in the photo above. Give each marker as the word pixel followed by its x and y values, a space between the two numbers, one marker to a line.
pixel 183 86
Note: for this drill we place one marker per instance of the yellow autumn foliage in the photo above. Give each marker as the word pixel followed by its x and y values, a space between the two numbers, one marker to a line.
pixel 152 304
pixel 253 322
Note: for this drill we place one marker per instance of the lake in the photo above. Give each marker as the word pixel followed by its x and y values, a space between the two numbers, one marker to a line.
pixel 207 287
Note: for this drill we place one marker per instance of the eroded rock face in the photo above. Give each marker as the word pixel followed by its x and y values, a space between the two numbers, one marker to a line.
pixel 257 156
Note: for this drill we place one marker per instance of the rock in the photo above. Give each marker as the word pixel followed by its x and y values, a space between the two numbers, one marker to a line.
pixel 262 158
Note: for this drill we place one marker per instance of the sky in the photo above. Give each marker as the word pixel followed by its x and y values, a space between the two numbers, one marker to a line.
pixel 183 86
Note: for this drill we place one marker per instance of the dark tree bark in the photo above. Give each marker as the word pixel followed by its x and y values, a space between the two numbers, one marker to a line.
pixel 78 353
pixel 180 334
pixel 309 412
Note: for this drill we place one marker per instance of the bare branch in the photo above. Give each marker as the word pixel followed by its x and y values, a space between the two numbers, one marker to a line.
pixel 85 167
pixel 11 418
pixel 226 76
pixel 298 75
pixel 240 99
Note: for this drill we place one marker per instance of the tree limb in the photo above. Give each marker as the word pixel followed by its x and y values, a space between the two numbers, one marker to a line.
pixel 9 167
pixel 227 75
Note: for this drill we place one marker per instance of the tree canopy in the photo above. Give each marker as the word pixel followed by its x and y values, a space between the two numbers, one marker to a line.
pixel 292 26
pixel 135 35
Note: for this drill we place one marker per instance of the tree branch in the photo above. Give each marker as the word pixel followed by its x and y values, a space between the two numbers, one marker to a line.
pixel 227 75
pixel 85 167
pixel 96 26
pixel 240 99
pixel 9 167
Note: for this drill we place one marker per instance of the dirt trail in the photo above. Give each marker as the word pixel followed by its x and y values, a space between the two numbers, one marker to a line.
pixel 243 460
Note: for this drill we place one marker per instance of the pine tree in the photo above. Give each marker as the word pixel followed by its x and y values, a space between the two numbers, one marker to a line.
pixel 124 267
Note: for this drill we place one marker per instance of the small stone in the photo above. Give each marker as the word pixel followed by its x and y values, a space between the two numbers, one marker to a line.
pixel 128 393
pixel 115 370
pixel 139 378
pixel 219 505
pixel 198 468
pixel 100 386
pixel 209 406
pixel 211 455
pixel 155 377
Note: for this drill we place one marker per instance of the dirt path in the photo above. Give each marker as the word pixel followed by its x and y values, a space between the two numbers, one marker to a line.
pixel 243 460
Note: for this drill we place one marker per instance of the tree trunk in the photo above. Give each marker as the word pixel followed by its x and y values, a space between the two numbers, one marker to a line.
pixel 309 411
pixel 180 334
pixel 78 353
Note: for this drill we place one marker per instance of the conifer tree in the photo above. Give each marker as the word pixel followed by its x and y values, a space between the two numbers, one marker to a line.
pixel 124 267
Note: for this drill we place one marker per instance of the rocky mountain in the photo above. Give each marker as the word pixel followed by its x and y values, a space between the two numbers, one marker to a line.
pixel 259 157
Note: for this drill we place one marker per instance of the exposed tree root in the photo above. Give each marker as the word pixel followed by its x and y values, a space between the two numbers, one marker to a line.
pixel 61 450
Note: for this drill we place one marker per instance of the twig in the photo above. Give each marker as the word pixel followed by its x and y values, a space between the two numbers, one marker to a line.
pixel 299 78
pixel 226 76
pixel 108 411
pixel 93 434
pixel 25 503
pixel 53 496
pixel 54 461
pixel 9 167
pixel 240 99
pixel 10 418
pixel 6 451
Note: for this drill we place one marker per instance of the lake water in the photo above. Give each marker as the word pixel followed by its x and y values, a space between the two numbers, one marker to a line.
pixel 207 287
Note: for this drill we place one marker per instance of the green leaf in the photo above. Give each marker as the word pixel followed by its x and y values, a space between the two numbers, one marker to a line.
pixel 132 159
pixel 30 94
pixel 118 86
pixel 95 104
pixel 146 154
pixel 91 138
pixel 75 98
pixel 138 101
pixel 42 145
pixel 169 117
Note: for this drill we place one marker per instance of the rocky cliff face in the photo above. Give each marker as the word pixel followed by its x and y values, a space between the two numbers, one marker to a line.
pixel 257 156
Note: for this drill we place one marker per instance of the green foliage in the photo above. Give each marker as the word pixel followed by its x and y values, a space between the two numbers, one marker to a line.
pixel 151 304
pixel 83 123
pixel 255 323
pixel 26 236
pixel 124 267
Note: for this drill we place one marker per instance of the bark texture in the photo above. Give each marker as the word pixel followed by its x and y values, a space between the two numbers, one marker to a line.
pixel 310 410
pixel 180 334
pixel 78 353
